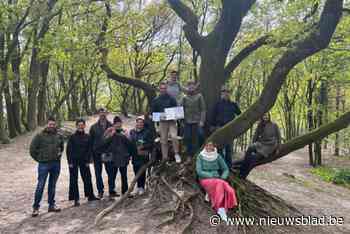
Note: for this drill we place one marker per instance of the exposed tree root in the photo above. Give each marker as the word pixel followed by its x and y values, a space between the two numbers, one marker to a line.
pixel 109 209
pixel 177 204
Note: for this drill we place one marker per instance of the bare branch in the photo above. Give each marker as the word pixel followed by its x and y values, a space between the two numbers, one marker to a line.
pixel 244 53
pixel 191 23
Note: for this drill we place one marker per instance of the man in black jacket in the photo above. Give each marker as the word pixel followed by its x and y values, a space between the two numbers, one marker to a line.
pixel 121 148
pixel 225 111
pixel 166 127
pixel 96 133
pixel 79 150
pixel 143 139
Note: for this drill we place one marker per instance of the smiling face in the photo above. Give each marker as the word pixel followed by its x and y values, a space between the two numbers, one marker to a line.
pixel 173 76
pixel 140 124
pixel 210 147
pixel 266 117
pixel 81 126
pixel 51 124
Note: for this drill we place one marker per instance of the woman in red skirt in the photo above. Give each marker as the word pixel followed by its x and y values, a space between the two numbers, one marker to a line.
pixel 212 172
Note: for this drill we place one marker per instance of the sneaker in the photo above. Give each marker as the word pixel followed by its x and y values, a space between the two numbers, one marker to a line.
pixel 206 198
pixel 177 158
pixel 114 194
pixel 100 195
pixel 141 191
pixel 93 198
pixel 76 203
pixel 54 209
pixel 222 214
pixel 35 212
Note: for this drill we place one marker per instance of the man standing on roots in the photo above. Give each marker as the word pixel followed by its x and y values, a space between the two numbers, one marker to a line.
pixel 225 111
pixel 195 110
pixel 46 148
pixel 166 127
pixel 78 156
pixel 96 133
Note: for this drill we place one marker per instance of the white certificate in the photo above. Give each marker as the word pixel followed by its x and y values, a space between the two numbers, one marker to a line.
pixel 174 113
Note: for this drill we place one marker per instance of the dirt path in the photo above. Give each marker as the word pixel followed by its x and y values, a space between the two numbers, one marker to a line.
pixel 18 180
pixel 290 178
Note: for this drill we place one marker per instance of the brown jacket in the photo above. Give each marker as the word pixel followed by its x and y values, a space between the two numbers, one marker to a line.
pixel 267 142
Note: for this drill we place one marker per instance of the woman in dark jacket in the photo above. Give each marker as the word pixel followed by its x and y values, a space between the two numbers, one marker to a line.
pixel 79 150
pixel 121 148
pixel 143 139
pixel 266 141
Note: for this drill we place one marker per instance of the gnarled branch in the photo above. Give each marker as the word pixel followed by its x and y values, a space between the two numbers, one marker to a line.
pixel 316 41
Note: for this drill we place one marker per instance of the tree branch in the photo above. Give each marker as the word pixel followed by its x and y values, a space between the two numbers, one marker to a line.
pixel 191 23
pixel 316 41
pixel 244 53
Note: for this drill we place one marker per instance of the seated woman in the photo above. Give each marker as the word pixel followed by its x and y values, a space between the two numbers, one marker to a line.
pixel 266 141
pixel 212 172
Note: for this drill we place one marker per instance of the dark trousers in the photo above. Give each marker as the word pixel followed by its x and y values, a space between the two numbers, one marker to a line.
pixel 73 181
pixel 226 152
pixel 124 177
pixel 250 159
pixel 193 132
pixel 142 180
pixel 51 169
pixel 111 173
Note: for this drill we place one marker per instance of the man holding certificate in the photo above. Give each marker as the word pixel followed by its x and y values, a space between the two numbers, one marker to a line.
pixel 167 125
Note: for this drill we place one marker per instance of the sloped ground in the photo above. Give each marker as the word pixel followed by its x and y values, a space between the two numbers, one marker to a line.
pixel 288 178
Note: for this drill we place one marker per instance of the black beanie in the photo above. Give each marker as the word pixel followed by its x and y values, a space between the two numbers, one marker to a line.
pixel 117 119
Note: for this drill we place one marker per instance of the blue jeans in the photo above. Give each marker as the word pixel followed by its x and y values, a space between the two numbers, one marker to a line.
pixel 51 169
pixel 193 131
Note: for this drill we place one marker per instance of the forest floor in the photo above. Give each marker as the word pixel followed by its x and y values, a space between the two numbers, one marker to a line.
pixel 289 178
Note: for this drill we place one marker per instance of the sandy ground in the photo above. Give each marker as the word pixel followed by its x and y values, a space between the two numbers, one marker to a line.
pixel 288 178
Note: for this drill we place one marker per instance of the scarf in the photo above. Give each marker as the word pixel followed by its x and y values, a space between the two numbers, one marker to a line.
pixel 209 156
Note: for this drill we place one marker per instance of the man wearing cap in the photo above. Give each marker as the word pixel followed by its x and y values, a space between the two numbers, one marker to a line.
pixel 225 111
pixel 166 127
pixel 143 139
pixel 96 133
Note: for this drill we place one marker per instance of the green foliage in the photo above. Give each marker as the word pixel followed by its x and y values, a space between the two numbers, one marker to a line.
pixel 333 175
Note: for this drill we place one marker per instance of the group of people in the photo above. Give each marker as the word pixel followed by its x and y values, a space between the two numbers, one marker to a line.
pixel 107 145
pixel 172 94
pixel 110 146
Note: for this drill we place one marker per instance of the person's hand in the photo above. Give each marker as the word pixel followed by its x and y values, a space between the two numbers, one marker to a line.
pixel 201 124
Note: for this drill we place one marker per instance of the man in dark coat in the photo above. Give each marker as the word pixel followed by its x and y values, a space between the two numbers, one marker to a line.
pixel 79 150
pixel 225 111
pixel 46 148
pixel 166 127
pixel 143 139
pixel 121 148
pixel 96 133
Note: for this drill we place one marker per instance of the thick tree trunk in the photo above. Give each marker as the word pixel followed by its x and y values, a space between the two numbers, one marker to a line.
pixel 33 87
pixel 42 97
pixel 16 93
